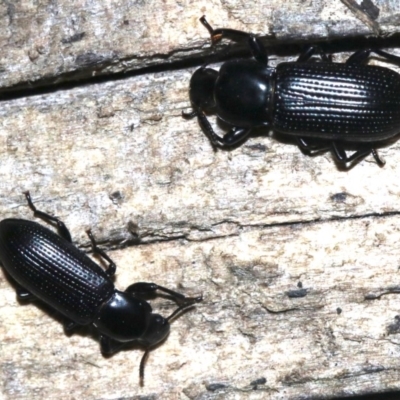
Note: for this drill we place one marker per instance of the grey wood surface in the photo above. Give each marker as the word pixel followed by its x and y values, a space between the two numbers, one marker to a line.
pixel 297 259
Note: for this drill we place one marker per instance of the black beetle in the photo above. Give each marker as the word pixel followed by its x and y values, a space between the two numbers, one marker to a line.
pixel 48 267
pixel 330 103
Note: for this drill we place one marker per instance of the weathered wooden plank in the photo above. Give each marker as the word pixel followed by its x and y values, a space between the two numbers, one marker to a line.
pixel 250 326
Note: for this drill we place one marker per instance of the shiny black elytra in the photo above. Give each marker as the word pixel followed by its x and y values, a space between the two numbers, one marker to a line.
pixel 329 103
pixel 48 267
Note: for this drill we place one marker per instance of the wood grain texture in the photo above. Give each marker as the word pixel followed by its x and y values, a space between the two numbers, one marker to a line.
pixel 298 260
pixel 60 41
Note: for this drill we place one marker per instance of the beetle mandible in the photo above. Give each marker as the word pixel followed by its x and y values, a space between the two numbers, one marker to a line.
pixel 48 267
pixel 332 103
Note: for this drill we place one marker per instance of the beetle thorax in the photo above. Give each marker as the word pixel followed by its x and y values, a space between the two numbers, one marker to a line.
pixel 242 93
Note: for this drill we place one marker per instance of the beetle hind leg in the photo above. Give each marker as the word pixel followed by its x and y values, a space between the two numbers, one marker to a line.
pixel 340 154
pixel 61 227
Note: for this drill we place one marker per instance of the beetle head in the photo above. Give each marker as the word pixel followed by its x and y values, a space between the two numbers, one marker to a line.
pixel 201 91
pixel 157 330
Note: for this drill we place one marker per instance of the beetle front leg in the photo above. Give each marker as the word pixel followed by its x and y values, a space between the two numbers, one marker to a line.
pixel 110 271
pixel 255 45
pixel 232 138
pixel 61 227
pixel 208 129
pixel 109 346
pixel 235 136
pixel 150 288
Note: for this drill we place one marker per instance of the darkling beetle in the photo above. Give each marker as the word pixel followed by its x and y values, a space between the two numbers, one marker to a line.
pixel 48 267
pixel 330 103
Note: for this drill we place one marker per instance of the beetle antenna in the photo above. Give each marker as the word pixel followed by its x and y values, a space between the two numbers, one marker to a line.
pixel 189 114
pixel 188 303
pixel 141 368
pixel 207 25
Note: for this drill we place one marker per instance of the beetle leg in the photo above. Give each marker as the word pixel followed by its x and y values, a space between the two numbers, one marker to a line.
pixel 359 57
pixel 310 51
pixel 387 56
pixel 231 138
pixel 146 288
pixel 110 271
pixel 306 54
pixel 235 136
pixel 61 228
pixel 341 156
pixel 208 130
pixel 190 114
pixel 256 47
pixel 70 325
pixel 258 50
pixel 24 295
pixel 109 346
pixel 189 301
pixel 362 55
pixel 378 160
pixel 309 148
